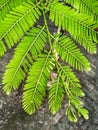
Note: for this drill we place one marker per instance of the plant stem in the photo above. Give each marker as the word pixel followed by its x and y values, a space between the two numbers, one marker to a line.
pixel 49 34
pixel 56 54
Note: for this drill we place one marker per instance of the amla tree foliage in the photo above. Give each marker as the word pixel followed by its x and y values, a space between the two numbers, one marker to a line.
pixel 35 62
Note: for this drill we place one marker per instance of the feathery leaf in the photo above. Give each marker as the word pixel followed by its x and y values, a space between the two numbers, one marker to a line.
pixel 70 112
pixel 17 23
pixel 7 5
pixel 75 23
pixel 21 62
pixel 56 94
pixel 74 92
pixel 34 90
pixel 67 74
pixel 89 7
pixel 87 43
pixel 69 52
pixel 75 106
pixel 37 61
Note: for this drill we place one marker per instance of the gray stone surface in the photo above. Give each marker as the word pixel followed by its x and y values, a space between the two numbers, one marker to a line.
pixel 12 117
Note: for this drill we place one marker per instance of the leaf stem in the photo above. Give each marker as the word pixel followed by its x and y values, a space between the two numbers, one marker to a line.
pixel 49 34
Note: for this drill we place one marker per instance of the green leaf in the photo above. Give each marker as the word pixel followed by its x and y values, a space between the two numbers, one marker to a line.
pixel 78 92
pixel 77 19
pixel 68 75
pixel 34 90
pixel 69 52
pixel 17 23
pixel 56 95
pixel 70 112
pixel 75 23
pixel 75 101
pixel 89 7
pixel 84 112
pixel 87 43
pixel 7 5
pixel 22 60
pixel 73 91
